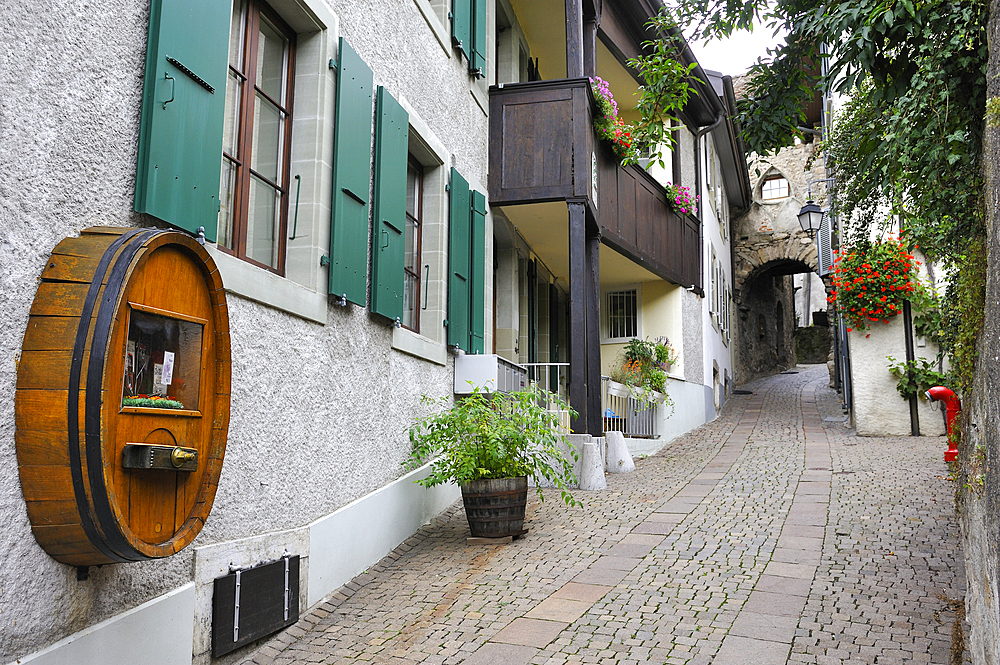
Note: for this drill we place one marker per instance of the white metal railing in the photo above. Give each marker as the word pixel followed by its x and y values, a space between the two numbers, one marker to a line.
pixel 632 417
pixel 553 377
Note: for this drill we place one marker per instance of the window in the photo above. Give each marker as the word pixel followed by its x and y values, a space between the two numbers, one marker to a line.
pixel 257 136
pixel 774 188
pixel 621 314
pixel 162 361
pixel 411 262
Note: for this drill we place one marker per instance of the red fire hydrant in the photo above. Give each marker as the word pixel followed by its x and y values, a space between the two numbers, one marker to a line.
pixel 953 408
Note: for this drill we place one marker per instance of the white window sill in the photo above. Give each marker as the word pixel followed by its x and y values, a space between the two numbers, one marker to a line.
pixel 482 98
pixel 265 287
pixel 419 346
pixel 435 25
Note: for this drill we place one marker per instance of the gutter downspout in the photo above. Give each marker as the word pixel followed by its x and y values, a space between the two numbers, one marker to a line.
pixel 697 184
pixel 705 92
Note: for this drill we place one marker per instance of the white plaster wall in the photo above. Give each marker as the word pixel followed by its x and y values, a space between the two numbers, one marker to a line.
pixel 319 412
pixel 717 355
pixel 808 283
pixel 693 406
pixel 878 408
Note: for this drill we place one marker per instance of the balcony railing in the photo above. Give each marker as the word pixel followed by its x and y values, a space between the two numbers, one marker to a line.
pixel 635 418
pixel 543 148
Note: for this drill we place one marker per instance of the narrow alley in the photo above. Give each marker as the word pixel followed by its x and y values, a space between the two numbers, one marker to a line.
pixel 769 535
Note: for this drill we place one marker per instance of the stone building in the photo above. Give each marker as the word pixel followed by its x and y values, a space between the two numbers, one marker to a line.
pixel 776 286
pixel 317 117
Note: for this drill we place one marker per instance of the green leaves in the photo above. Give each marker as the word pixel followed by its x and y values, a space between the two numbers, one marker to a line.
pixel 916 376
pixel 496 435
pixel 668 86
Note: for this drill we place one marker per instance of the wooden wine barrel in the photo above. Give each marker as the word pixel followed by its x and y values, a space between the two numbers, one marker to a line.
pixel 122 402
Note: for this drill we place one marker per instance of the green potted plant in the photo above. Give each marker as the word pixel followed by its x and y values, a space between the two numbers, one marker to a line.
pixel 489 444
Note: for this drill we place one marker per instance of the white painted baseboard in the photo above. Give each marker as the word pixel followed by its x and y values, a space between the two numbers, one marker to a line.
pixel 158 631
pixel 334 548
pixel 346 542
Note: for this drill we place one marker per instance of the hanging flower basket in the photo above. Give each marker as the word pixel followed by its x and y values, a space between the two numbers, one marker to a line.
pixel 871 280
pixel 681 200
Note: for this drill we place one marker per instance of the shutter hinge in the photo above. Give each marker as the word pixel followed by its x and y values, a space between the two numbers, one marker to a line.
pixel 450 15
pixel 324 260
pixel 287 590
pixel 236 609
pixel 201 235
pixel 447 187
pixel 446 323
pixel 342 300
pixel 333 64
pixel 397 323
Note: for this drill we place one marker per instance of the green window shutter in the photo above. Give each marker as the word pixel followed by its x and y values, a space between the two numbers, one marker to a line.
pixel 477 51
pixel 477 281
pixel 183 111
pixel 459 262
pixel 461 26
pixel 352 153
pixel 391 140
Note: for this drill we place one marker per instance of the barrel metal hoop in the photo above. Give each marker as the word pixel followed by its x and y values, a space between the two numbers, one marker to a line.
pixel 73 399
pixel 92 409
pixel 499 519
pixel 489 494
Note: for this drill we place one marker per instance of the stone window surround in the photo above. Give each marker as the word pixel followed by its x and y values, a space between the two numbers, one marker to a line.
pixel 303 289
pixel 427 149
pixel 435 13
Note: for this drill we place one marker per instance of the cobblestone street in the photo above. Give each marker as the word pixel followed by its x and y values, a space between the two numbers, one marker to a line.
pixel 769 535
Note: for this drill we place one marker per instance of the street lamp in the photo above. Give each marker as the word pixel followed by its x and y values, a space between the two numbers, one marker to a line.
pixel 810 218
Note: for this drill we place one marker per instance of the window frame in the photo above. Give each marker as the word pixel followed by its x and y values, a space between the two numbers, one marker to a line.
pixel 606 337
pixel 771 178
pixel 251 20
pixel 414 163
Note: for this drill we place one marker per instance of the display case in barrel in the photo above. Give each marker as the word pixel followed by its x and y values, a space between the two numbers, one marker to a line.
pixel 122 403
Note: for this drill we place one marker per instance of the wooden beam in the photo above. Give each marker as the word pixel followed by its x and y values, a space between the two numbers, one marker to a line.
pixel 590 46
pixel 578 314
pixel 595 412
pixel 574 39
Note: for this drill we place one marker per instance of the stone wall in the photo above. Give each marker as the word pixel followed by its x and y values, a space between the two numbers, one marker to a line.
pixel 765 328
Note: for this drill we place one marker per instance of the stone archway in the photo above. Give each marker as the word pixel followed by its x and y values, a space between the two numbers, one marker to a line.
pixel 763 290
pixel 770 251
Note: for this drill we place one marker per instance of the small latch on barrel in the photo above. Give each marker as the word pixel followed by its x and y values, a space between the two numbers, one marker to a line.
pixel 167 458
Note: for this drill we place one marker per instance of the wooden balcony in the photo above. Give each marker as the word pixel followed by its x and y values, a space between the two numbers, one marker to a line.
pixel 543 148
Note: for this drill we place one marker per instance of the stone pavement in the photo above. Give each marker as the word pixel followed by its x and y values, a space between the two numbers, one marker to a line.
pixel 770 535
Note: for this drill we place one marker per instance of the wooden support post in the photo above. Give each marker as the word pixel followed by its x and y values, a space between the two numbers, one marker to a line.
pixel 595 411
pixel 591 21
pixel 578 287
pixel 574 39
pixel 590 45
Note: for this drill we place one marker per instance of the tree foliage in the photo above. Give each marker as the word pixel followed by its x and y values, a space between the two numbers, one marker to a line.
pixel 667 85
pixel 907 147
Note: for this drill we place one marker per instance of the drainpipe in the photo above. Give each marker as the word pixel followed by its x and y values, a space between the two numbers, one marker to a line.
pixel 697 188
